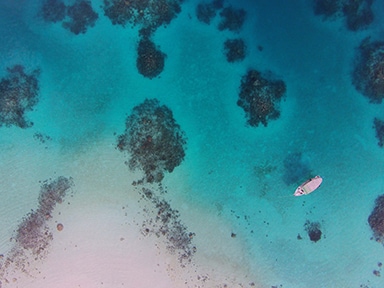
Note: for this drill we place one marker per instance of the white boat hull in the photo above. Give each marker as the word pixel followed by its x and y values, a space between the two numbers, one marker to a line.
pixel 308 186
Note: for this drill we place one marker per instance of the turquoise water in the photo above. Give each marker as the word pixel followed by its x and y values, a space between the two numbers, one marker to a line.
pixel 232 173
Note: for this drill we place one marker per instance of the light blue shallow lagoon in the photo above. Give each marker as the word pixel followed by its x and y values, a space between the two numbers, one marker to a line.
pixel 159 143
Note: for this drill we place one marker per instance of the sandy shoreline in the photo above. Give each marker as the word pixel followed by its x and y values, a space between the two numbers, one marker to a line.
pixel 103 245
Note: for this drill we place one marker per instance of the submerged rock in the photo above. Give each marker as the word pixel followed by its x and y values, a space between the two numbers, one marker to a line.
pixel 313 230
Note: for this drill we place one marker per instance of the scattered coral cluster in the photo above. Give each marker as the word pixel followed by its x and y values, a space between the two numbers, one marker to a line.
pixel 33 235
pixel 148 15
pixel 358 13
pixel 153 139
pixel 232 19
pixel 368 72
pixel 145 13
pixel 376 219
pixel 18 95
pixel 260 97
pixel 156 145
pixel 167 223
pixel 77 17
pixel 368 77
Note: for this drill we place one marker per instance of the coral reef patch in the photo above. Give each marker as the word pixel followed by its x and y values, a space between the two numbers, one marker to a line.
pixel 80 16
pixel 53 11
pixel 376 219
pixel 153 139
pixel 368 73
pixel 150 60
pixel 235 49
pixel 313 230
pixel 33 235
pixel 167 224
pixel 205 12
pixel 144 13
pixel 260 97
pixel 232 19
pixel 357 13
pixel 379 128
pixel 76 18
pixel 18 95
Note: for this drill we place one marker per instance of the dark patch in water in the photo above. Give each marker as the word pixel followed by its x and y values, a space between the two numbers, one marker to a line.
pixel 313 230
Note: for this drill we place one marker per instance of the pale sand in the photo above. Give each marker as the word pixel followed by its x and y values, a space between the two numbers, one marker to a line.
pixel 102 245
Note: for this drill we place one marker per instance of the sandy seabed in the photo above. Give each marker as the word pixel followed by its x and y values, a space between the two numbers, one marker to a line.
pixel 102 243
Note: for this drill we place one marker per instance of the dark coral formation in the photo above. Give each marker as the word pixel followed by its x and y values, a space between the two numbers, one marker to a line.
pixel 150 60
pixel 167 224
pixel 260 97
pixel 53 11
pixel 358 13
pixel 326 8
pixel 18 95
pixel 368 74
pixel 42 138
pixel 81 16
pixel 296 169
pixel 163 11
pixel 232 19
pixel 205 12
pixel 77 17
pixel 33 233
pixel 235 49
pixel 376 219
pixel 154 140
pixel 53 193
pixel 313 230
pixel 379 128
pixel 33 236
pixel 120 12
pixel 146 13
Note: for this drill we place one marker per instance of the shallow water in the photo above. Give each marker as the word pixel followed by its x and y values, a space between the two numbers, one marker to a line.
pixel 230 190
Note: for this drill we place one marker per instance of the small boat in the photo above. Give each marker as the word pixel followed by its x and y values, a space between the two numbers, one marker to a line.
pixel 308 186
